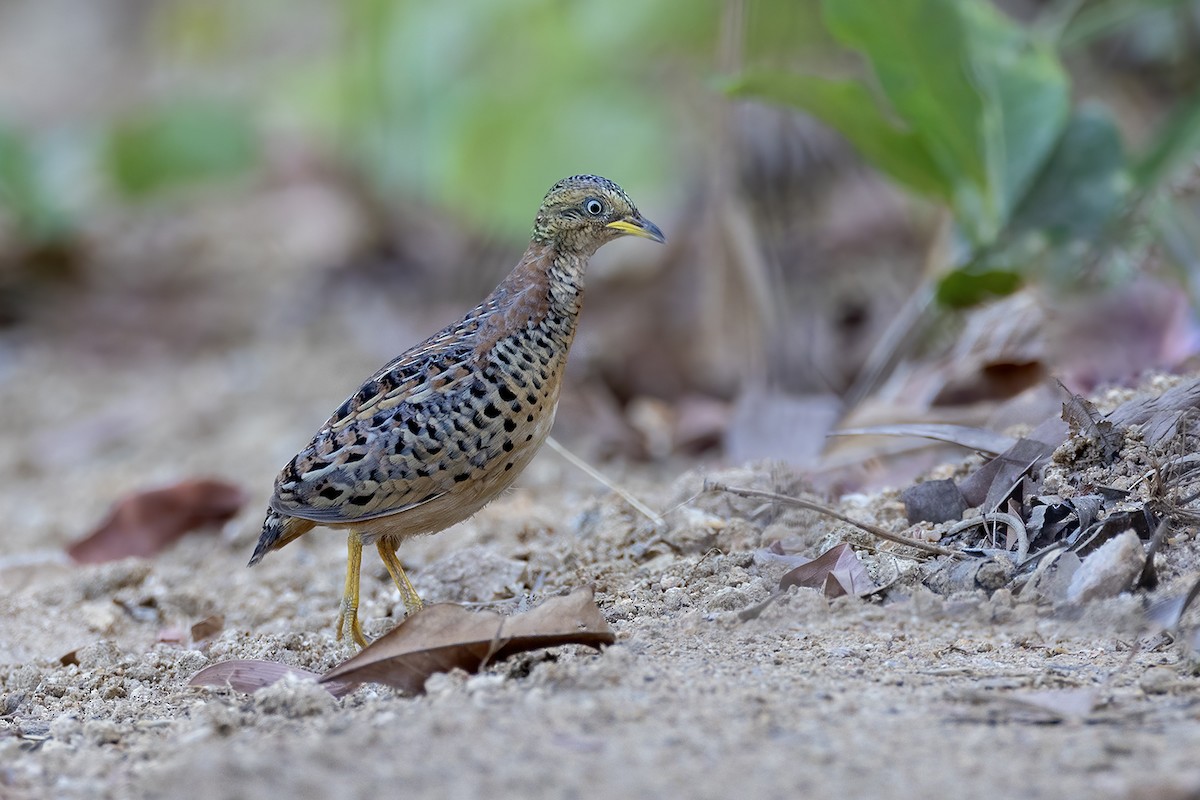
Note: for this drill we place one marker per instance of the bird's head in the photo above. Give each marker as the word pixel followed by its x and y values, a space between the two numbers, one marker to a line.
pixel 582 212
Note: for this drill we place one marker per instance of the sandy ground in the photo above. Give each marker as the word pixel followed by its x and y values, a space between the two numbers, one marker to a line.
pixel 811 698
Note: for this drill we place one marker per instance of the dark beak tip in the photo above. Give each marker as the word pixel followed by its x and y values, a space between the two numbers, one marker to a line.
pixel 655 232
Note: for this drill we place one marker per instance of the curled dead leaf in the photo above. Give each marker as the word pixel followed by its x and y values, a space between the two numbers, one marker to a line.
pixel 933 501
pixel 146 523
pixel 251 674
pixel 436 639
pixel 1085 420
pixel 994 481
pixel 445 636
pixel 208 627
pixel 837 571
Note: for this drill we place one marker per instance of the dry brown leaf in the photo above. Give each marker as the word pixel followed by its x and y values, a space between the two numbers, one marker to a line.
pixel 146 523
pixel 445 636
pixel 208 627
pixel 436 639
pixel 837 571
pixel 250 675
pixel 990 485
pixel 933 501
pixel 1085 420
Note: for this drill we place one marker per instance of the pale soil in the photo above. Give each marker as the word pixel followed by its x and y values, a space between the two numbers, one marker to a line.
pixel 904 698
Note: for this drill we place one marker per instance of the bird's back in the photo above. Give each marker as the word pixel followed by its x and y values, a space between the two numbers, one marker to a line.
pixel 443 428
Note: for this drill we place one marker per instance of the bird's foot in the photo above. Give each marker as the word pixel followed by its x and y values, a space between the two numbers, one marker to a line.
pixel 347 623
pixel 408 594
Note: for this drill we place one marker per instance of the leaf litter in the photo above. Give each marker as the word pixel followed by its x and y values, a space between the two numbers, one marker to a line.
pixel 1068 512
pixel 1063 487
pixel 438 638
pixel 836 572
pixel 1076 496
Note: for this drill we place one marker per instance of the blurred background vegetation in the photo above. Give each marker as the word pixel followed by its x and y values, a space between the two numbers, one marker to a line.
pixel 918 203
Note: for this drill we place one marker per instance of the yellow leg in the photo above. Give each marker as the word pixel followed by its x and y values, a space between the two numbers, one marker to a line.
pixel 348 616
pixel 387 551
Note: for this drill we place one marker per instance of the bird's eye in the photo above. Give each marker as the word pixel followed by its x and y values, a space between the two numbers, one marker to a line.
pixel 593 207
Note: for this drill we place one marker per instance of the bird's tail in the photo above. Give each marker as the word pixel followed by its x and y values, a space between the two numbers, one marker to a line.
pixel 277 531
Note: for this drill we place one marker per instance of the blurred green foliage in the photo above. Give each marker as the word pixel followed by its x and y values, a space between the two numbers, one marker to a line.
pixel 474 106
pixel 25 191
pixel 1083 183
pixel 985 99
pixel 178 144
pixel 974 103
pixel 479 106
pixel 972 109
pixel 850 107
pixel 483 106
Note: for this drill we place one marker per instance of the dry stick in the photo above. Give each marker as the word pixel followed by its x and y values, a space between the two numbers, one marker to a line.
pixel 683 503
pixel 1011 520
pixel 597 476
pixel 1191 458
pixel 874 530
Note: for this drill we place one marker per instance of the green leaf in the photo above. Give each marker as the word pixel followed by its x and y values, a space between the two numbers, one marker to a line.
pixel 1084 184
pixel 965 287
pixel 1079 194
pixel 573 134
pixel 479 107
pixel 848 107
pixel 986 100
pixel 919 53
pixel 1026 101
pixel 177 144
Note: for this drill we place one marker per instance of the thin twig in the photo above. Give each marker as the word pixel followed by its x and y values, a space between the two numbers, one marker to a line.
pixel 1191 458
pixel 874 530
pixel 1011 520
pixel 683 503
pixel 599 477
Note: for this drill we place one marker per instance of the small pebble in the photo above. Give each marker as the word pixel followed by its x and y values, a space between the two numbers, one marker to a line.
pixel 294 697
pixel 1158 680
pixel 673 598
pixel 728 599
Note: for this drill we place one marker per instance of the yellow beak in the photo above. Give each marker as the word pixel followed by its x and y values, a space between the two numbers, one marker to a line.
pixel 635 226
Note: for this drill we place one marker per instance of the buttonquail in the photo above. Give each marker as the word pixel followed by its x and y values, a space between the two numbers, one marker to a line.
pixel 446 426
